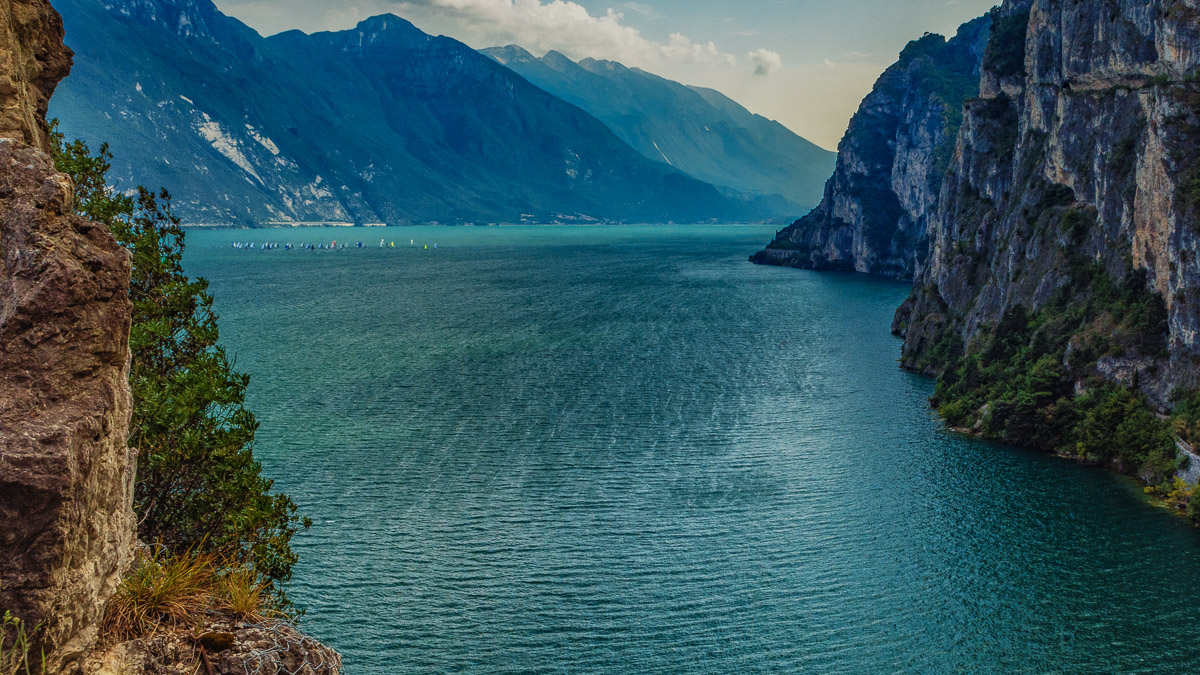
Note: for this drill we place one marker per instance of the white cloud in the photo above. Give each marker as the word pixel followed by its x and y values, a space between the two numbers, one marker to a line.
pixel 765 61
pixel 560 25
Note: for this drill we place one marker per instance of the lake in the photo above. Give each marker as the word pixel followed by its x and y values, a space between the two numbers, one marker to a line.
pixel 627 450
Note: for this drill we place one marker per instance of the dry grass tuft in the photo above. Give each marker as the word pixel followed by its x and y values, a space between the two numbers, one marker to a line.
pixel 243 595
pixel 161 592
pixel 169 593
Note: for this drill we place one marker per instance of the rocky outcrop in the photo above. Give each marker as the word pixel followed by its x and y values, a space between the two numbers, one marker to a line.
pixel 233 648
pixel 33 59
pixel 1081 157
pixel 891 161
pixel 66 474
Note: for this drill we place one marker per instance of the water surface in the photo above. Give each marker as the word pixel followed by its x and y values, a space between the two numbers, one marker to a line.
pixel 626 450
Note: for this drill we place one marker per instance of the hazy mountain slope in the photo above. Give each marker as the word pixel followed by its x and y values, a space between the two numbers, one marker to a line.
pixel 379 123
pixel 698 131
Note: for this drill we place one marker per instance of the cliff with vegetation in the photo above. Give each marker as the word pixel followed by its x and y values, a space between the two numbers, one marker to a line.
pixel 66 473
pixel 107 351
pixel 1060 305
pixel 874 214
pixel 1051 228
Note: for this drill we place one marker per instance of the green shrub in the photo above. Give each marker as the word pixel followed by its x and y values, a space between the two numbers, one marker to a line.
pixel 1017 370
pixel 1005 55
pixel 198 486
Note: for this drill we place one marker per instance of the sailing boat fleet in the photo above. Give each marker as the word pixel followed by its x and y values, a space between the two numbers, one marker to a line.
pixel 319 246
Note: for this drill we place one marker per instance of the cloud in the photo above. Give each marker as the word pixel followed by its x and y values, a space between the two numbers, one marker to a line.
pixel 560 25
pixel 643 9
pixel 765 61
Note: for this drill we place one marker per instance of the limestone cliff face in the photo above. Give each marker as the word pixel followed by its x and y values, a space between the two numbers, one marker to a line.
pixel 890 163
pixel 1084 145
pixel 66 474
pixel 33 59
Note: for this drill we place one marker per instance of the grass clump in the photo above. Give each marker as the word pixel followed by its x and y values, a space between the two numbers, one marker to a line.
pixel 177 592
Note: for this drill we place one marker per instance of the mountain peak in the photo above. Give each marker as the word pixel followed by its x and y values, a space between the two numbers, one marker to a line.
pixel 509 54
pixel 557 60
pixel 603 67
pixel 387 22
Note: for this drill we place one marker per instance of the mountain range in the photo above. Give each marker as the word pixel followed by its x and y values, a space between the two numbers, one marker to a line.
pixel 699 131
pixel 379 124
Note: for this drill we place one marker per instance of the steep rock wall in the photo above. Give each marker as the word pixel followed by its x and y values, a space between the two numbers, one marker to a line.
pixel 1081 154
pixel 66 473
pixel 890 163
pixel 33 59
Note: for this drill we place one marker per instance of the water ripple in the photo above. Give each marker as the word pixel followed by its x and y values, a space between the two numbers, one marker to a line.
pixel 618 450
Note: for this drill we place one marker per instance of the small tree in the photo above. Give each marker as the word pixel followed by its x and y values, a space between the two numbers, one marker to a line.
pixel 198 485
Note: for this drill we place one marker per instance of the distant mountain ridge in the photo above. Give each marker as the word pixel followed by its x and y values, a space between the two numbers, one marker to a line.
pixel 699 131
pixel 378 124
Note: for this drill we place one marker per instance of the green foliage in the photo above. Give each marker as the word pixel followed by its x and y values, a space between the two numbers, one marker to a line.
pixel 16 643
pixel 1016 381
pixel 929 44
pixel 198 485
pixel 1186 151
pixel 1005 55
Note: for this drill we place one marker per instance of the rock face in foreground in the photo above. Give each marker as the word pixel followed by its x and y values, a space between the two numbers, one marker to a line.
pixel 66 474
pixel 33 59
pixel 1080 161
pixel 268 647
pixel 890 164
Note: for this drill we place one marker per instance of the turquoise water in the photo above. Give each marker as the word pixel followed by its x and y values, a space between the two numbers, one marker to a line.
pixel 626 450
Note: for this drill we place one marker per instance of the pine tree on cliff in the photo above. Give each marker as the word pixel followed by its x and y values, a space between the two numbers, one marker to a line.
pixel 198 484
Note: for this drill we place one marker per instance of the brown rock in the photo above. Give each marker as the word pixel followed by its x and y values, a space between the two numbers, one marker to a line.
pixel 33 59
pixel 267 647
pixel 66 474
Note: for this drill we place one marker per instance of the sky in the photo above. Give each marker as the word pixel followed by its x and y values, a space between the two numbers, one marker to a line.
pixel 805 63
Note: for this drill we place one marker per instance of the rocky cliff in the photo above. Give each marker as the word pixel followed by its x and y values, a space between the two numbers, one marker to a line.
pixel 874 214
pixel 1072 198
pixel 66 474
pixel 33 59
